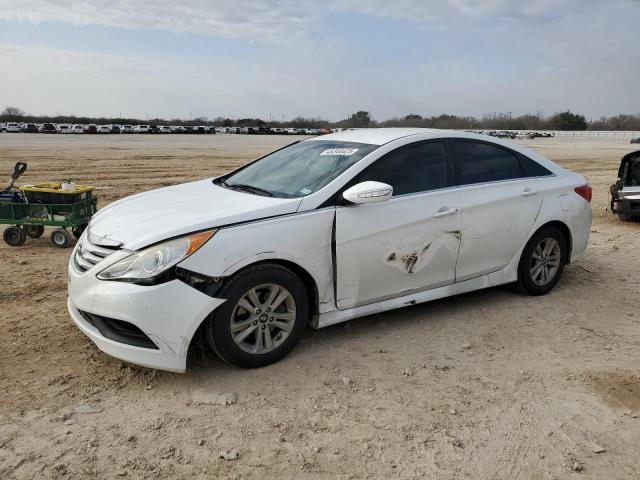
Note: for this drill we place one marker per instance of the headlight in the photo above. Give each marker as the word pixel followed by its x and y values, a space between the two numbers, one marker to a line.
pixel 152 261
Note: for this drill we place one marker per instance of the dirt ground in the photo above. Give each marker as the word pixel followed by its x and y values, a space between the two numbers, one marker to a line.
pixel 487 385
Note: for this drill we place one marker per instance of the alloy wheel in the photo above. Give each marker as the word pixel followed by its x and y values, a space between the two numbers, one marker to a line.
pixel 263 318
pixel 545 261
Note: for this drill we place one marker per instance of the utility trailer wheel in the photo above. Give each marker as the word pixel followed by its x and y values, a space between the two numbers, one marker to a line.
pixel 60 238
pixel 14 236
pixel 33 231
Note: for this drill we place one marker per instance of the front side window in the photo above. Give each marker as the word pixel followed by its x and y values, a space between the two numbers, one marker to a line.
pixel 299 169
pixel 477 162
pixel 414 168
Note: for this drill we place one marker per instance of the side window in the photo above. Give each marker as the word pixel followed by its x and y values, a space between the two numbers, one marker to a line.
pixel 531 168
pixel 480 163
pixel 410 169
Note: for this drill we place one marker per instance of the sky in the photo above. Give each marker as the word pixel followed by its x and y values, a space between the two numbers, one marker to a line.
pixel 278 59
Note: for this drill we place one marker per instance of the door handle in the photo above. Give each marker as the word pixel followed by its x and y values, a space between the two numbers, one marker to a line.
pixel 529 192
pixel 444 211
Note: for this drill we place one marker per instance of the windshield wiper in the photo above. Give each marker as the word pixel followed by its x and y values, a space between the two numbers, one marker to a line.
pixel 248 188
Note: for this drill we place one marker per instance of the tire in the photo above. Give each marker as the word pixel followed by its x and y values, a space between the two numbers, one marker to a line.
pixel 242 347
pixel 77 231
pixel 60 238
pixel 533 278
pixel 34 231
pixel 14 236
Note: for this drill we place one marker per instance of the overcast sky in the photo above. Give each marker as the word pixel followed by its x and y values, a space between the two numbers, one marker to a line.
pixel 182 58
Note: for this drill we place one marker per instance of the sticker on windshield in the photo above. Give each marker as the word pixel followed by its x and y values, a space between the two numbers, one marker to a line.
pixel 305 191
pixel 343 152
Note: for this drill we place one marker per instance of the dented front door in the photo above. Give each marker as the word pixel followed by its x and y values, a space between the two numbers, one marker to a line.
pixel 407 244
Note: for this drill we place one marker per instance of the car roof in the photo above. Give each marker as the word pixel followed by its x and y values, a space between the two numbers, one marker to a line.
pixel 380 136
pixel 375 136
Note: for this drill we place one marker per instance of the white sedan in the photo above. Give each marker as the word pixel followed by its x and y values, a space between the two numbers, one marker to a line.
pixel 319 232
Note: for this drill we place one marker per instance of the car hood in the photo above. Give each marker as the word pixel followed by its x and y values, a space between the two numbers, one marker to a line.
pixel 140 220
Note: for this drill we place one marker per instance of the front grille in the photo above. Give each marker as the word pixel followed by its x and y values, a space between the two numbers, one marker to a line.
pixel 119 330
pixel 89 254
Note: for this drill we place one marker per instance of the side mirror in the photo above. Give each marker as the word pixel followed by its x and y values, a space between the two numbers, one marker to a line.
pixel 368 192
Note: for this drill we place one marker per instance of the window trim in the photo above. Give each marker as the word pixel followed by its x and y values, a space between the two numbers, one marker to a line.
pixel 516 154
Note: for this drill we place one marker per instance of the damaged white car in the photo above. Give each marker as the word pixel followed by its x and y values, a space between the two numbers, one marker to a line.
pixel 319 232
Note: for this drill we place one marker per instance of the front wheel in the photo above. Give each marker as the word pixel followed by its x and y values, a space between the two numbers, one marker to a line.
pixel 265 313
pixel 542 261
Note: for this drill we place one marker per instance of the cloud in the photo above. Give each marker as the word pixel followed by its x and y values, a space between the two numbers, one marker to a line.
pixel 466 57
pixel 287 20
pixel 270 21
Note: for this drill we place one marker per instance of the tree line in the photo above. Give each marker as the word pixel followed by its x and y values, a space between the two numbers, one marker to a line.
pixel 496 121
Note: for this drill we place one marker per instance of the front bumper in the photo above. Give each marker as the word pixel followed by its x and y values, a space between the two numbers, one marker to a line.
pixel 168 313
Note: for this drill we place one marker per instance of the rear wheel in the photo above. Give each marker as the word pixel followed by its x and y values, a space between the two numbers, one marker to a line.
pixel 60 238
pixel 34 231
pixel 14 236
pixel 263 318
pixel 542 261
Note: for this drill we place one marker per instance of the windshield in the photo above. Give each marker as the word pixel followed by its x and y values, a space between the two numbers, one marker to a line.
pixel 299 169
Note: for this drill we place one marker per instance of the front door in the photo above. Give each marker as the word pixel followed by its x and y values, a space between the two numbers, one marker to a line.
pixel 409 243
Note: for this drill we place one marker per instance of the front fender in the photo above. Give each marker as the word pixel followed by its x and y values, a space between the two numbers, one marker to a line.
pixel 302 238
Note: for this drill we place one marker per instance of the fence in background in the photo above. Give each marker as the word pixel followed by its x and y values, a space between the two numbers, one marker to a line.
pixel 590 133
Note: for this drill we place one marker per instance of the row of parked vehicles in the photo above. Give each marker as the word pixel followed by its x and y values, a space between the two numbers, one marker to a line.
pixel 14 127
pixel 516 135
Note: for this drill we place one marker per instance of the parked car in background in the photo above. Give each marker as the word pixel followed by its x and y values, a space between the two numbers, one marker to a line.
pixel 127 129
pixel 165 129
pixel 115 129
pixel 91 128
pixel 320 232
pixel 104 129
pixel 141 129
pixel 635 140
pixel 77 129
pixel 29 128
pixel 64 128
pixel 48 128
pixel 12 127
pixel 177 129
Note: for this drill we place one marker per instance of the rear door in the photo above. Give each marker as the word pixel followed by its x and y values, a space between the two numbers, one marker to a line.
pixel 501 196
pixel 407 244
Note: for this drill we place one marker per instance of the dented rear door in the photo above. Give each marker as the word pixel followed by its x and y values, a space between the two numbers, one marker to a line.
pixel 407 244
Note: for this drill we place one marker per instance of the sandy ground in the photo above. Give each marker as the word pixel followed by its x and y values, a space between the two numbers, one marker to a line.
pixel 488 385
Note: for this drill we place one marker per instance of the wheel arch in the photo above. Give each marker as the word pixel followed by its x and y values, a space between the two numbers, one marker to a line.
pixel 304 276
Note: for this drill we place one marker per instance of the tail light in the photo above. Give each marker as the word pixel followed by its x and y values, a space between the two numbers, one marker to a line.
pixel 585 192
